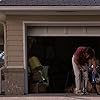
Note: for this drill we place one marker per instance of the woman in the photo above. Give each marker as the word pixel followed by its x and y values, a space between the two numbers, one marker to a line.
pixel 81 60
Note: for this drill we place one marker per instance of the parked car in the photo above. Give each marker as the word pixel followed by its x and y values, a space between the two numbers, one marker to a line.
pixel 1 58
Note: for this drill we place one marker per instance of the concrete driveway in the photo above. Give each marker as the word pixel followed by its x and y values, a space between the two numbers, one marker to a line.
pixel 52 97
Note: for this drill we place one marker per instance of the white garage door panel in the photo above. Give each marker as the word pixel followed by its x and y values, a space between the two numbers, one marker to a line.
pixel 93 30
pixel 63 31
pixel 76 30
pixel 35 31
pixel 56 30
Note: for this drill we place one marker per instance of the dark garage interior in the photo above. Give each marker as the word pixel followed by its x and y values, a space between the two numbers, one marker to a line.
pixel 56 52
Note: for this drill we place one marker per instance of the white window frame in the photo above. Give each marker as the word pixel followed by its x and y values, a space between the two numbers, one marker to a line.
pixel 51 23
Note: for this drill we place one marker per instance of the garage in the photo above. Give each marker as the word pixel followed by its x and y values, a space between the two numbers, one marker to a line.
pixel 54 46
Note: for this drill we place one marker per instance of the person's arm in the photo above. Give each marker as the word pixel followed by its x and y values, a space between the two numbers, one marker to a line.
pixel 94 64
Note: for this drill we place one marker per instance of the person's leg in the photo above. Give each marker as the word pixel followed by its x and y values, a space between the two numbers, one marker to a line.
pixel 77 75
pixel 85 81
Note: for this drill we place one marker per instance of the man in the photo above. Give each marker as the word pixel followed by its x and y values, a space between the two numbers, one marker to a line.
pixel 82 58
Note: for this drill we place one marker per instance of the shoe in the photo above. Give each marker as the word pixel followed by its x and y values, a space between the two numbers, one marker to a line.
pixel 78 92
pixel 85 92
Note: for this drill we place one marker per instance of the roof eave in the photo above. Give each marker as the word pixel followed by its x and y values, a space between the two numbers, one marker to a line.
pixel 47 8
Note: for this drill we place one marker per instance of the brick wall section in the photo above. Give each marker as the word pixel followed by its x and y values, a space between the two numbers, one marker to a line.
pixel 14 82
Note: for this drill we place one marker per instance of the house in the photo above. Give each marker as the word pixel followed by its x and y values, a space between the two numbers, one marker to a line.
pixel 64 23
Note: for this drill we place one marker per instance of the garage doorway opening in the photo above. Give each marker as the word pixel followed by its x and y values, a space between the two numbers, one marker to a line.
pixel 55 53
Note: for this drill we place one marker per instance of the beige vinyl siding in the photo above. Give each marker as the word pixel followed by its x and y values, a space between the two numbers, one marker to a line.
pixel 15 28
pixel 15 53
pixel 15 32
pixel 17 58
pixel 14 43
pixel 14 38
pixel 14 63
pixel 17 43
pixel 14 48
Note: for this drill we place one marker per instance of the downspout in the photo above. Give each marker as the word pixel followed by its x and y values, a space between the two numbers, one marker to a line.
pixel 2 21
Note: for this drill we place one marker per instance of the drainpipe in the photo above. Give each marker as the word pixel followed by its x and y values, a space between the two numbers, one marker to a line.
pixel 2 21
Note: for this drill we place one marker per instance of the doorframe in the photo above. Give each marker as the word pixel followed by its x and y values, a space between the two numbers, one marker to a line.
pixel 50 23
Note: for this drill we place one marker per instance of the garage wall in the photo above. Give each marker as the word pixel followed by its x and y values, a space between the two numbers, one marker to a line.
pixel 15 33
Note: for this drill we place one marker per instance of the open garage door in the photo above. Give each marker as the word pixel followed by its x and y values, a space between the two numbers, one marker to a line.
pixel 54 47
pixel 63 31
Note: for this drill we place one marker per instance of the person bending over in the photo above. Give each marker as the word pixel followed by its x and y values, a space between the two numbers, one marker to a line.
pixel 81 60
